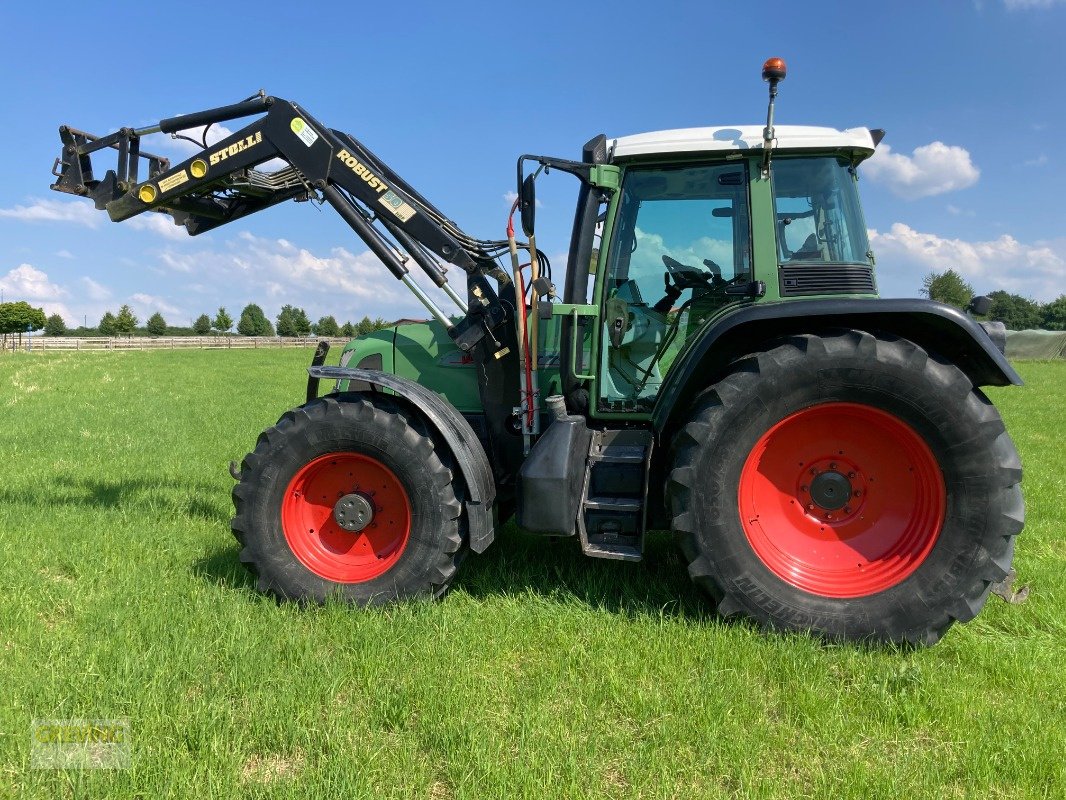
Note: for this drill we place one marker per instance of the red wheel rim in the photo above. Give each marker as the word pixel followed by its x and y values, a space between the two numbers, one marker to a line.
pixel 841 500
pixel 316 538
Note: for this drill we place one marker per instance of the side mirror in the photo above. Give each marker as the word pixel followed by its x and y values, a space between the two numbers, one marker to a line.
pixel 528 205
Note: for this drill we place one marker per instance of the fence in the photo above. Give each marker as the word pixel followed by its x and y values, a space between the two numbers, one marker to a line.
pixel 1020 344
pixel 103 343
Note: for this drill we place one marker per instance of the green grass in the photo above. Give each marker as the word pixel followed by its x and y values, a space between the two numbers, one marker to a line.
pixel 544 674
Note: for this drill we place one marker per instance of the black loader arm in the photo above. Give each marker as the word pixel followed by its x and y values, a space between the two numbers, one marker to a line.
pixel 232 179
pixel 221 184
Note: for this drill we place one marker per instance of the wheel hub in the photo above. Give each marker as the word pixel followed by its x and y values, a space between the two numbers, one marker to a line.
pixel 830 490
pixel 346 517
pixel 353 512
pixel 841 500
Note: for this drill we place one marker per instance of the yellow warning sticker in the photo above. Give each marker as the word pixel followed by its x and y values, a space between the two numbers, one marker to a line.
pixel 175 180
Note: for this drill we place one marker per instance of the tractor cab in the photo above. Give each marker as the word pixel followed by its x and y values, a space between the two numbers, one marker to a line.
pixel 698 227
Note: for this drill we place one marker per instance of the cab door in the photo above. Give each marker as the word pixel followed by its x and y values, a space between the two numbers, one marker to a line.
pixel 681 239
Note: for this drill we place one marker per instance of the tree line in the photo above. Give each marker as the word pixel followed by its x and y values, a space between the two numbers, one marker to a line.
pixel 291 321
pixel 1016 312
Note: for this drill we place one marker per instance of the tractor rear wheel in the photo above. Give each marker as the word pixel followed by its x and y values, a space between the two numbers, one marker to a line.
pixel 849 485
pixel 348 497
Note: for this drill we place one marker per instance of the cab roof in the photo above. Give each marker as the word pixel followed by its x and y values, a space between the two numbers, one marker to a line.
pixel 741 137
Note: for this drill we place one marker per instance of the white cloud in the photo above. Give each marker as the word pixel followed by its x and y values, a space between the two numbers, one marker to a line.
pixel 1025 5
pixel 959 212
pixel 94 290
pixel 82 212
pixel 147 304
pixel 161 224
pixel 339 282
pixel 64 253
pixel 932 169
pixel 26 282
pixel 1039 161
pixel 1035 270
pixel 79 212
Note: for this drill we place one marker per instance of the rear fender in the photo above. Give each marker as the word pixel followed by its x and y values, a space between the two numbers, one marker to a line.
pixel 936 327
pixel 469 456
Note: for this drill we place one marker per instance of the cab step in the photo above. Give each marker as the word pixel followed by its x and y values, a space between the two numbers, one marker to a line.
pixel 613 514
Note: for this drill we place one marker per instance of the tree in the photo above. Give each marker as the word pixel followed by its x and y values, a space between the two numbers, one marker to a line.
pixel 303 324
pixel 202 326
pixel 947 287
pixel 379 323
pixel 254 322
pixel 1016 312
pixel 125 321
pixel 20 318
pixel 326 326
pixel 1055 314
pixel 107 324
pixel 156 325
pixel 55 326
pixel 348 329
pixel 293 322
pixel 364 326
pixel 222 321
pixel 286 326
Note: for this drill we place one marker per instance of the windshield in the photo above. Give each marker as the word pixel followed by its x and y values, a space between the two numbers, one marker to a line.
pixel 818 214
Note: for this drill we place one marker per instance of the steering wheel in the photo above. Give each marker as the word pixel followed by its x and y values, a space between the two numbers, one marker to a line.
pixel 686 277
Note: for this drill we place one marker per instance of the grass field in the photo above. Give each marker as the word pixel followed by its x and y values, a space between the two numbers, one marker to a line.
pixel 543 674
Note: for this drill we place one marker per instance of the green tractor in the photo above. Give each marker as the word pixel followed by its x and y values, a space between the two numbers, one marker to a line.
pixel 717 363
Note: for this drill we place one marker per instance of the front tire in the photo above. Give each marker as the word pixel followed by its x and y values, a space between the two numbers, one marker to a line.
pixel 348 497
pixel 849 485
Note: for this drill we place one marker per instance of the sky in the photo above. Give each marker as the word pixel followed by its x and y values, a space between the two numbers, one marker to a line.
pixel 449 94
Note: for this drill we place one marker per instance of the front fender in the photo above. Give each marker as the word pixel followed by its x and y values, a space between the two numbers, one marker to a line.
pixel 469 455
pixel 938 328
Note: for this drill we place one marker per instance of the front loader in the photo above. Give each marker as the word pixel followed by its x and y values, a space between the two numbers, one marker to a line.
pixel 718 363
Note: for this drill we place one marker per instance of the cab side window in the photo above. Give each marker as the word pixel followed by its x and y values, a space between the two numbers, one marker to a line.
pixel 681 239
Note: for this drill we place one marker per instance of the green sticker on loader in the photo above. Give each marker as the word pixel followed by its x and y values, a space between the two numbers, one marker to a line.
pixel 304 131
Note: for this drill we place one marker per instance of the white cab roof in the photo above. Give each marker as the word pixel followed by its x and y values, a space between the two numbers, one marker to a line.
pixel 740 137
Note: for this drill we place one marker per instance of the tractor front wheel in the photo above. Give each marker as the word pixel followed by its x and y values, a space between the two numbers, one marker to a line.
pixel 847 484
pixel 348 496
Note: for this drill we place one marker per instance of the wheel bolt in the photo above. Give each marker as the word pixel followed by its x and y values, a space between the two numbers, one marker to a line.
pixel 847 509
pixel 810 506
pixel 833 465
pixel 851 474
pixel 858 493
pixel 803 489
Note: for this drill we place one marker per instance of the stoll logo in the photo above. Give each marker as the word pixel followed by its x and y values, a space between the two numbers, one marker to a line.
pixel 80 744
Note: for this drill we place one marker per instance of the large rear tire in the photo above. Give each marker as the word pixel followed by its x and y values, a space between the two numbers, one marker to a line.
pixel 849 485
pixel 348 497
